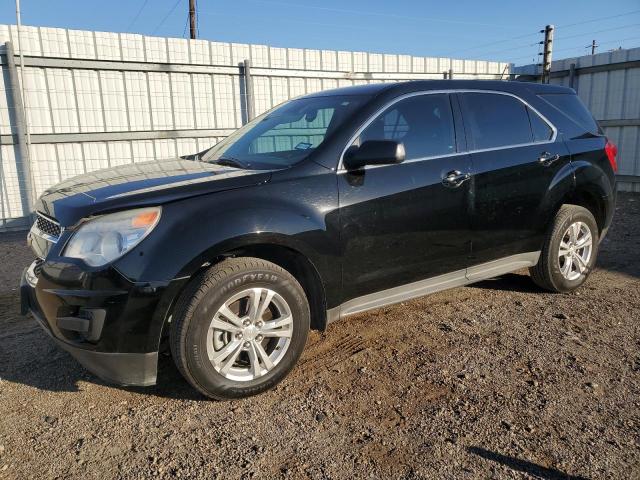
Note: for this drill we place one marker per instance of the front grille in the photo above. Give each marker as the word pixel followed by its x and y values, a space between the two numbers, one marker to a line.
pixel 49 227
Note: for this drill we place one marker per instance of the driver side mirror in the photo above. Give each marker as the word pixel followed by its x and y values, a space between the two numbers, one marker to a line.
pixel 374 152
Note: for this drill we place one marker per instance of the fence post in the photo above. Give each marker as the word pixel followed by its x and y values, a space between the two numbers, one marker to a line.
pixel 572 75
pixel 20 142
pixel 248 89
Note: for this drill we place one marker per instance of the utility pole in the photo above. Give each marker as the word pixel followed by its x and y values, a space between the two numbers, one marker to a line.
pixel 593 47
pixel 22 119
pixel 192 18
pixel 546 55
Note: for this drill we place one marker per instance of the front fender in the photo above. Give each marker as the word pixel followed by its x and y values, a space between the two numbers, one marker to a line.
pixel 300 214
pixel 194 231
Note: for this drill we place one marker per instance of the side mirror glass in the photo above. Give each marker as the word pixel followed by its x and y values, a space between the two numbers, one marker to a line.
pixel 374 152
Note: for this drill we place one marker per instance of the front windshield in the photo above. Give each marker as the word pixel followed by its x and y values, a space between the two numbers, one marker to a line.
pixel 285 135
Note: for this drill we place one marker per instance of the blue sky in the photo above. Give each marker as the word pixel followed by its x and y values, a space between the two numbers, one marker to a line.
pixel 491 30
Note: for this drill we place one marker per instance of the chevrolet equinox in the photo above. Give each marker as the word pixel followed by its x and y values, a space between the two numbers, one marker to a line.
pixel 327 205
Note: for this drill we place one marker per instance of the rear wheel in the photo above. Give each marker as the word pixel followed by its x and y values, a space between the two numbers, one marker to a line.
pixel 569 252
pixel 239 328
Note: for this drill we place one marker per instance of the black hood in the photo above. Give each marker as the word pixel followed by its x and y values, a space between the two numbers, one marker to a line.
pixel 140 184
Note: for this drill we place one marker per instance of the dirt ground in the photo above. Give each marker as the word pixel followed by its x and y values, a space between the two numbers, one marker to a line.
pixel 497 380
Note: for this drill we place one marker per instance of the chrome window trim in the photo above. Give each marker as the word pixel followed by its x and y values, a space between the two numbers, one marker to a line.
pixel 392 102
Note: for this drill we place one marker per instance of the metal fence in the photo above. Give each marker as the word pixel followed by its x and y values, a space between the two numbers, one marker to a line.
pixel 609 84
pixel 99 99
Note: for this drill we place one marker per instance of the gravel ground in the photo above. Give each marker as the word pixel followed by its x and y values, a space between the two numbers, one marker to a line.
pixel 494 380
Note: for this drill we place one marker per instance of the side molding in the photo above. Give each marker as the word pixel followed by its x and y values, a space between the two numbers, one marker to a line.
pixel 432 285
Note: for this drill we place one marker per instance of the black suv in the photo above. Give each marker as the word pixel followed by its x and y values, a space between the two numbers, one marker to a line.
pixel 328 205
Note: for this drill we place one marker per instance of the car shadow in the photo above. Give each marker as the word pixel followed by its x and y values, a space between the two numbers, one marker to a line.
pixel 523 466
pixel 170 384
pixel 512 282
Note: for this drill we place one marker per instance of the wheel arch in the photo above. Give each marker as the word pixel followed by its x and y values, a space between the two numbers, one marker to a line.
pixel 278 249
pixel 298 265
pixel 582 184
pixel 586 198
pixel 594 190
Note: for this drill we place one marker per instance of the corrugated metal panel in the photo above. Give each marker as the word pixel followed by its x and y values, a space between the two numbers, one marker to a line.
pixel 70 160
pixel 138 104
pixel 107 45
pixel 143 151
pixel 85 100
pixel 10 186
pixel 63 101
pixel 132 47
pixel 95 155
pixel 114 101
pixel 160 100
pixel 89 100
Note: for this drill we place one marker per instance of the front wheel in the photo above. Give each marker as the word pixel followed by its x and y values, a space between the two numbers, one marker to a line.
pixel 569 251
pixel 239 328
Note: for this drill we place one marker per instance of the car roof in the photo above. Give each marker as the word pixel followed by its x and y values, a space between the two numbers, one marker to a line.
pixel 425 85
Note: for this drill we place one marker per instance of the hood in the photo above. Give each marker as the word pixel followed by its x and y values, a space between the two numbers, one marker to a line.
pixel 140 184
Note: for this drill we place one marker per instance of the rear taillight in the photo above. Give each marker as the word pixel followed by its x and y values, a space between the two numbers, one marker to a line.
pixel 612 151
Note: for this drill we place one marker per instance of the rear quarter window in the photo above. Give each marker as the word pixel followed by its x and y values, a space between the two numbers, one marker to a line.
pixel 572 107
pixel 542 132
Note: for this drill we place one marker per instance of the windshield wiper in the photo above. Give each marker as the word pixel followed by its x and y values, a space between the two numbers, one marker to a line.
pixel 231 162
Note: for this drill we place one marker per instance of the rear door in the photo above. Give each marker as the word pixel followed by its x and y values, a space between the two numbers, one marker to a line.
pixel 401 223
pixel 516 155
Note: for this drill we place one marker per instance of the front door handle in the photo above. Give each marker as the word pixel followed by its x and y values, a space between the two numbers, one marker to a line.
pixel 455 178
pixel 547 158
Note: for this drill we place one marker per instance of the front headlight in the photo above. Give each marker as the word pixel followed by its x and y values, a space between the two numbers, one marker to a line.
pixel 109 237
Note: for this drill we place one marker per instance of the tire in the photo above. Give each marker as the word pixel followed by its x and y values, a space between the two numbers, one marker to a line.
pixel 553 272
pixel 200 351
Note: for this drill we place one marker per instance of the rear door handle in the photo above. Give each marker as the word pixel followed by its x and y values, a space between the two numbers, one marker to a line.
pixel 455 178
pixel 547 158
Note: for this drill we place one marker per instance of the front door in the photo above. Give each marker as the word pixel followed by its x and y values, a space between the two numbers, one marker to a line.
pixel 410 221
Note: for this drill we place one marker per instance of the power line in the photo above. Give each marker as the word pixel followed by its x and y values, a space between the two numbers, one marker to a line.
pixel 135 18
pixel 599 19
pixel 582 47
pixel 598 31
pixel 186 22
pixel 507 49
pixel 379 14
pixel 166 16
pixel 493 43
pixel 288 19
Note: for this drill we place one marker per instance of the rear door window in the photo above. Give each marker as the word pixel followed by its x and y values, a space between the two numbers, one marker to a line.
pixel 495 120
pixel 423 123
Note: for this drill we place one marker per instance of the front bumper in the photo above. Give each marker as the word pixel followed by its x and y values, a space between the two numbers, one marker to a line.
pixel 138 369
pixel 113 332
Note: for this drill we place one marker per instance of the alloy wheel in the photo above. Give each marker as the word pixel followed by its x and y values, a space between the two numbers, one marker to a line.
pixel 249 334
pixel 575 250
